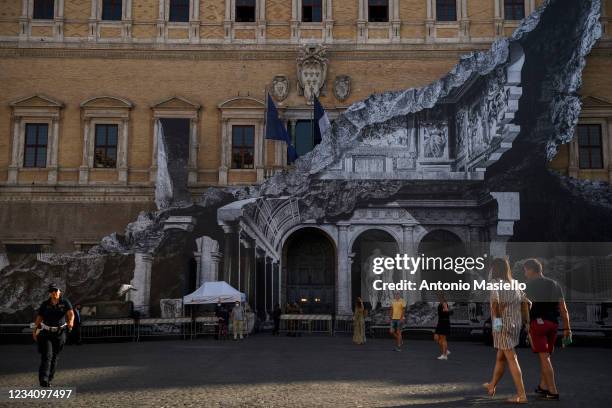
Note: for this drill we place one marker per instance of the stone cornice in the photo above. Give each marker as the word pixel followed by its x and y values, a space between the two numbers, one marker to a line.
pixel 66 198
pixel 14 49
pixel 260 52
pixel 28 193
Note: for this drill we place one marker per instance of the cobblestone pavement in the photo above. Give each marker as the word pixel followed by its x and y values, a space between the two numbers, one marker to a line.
pixel 298 372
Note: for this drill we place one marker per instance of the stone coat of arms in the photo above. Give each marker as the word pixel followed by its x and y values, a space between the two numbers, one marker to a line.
pixel 280 87
pixel 342 87
pixel 311 71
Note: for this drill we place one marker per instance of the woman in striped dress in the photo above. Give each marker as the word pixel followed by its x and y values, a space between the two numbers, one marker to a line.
pixel 509 310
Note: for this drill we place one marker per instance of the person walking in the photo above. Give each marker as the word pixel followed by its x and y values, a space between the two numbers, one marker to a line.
pixel 359 322
pixel 55 316
pixel 509 308
pixel 548 305
pixel 398 307
pixel 276 317
pixel 237 320
pixel 443 327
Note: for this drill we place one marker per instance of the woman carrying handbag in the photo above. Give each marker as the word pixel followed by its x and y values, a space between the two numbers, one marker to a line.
pixel 509 311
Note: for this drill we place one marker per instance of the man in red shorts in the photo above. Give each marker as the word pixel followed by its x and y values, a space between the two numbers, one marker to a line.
pixel 548 304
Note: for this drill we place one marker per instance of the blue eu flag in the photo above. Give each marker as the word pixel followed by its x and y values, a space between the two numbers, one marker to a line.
pixel 321 121
pixel 275 130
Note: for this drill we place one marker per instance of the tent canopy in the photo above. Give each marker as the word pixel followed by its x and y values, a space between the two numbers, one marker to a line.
pixel 213 292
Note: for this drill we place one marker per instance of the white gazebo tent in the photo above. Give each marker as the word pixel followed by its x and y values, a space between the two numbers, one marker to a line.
pixel 219 291
pixel 213 292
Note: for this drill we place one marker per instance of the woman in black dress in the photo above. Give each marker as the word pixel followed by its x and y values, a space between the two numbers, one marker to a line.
pixel 443 328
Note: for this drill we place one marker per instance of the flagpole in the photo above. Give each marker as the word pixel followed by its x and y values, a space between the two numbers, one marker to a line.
pixel 312 123
pixel 265 129
pixel 265 110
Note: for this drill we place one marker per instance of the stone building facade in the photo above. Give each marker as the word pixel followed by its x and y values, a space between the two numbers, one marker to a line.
pixel 85 84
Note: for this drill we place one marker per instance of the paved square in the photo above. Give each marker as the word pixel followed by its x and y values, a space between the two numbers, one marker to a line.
pixel 300 372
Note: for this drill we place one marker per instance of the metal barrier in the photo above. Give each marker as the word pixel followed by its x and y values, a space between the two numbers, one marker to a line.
pixel 10 333
pixel 343 324
pixel 297 323
pixel 204 325
pixel 108 328
pixel 178 327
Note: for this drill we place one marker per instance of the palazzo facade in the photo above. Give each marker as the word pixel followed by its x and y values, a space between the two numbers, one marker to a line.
pixel 86 84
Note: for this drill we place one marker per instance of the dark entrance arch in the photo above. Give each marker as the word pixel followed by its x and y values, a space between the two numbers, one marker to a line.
pixel 309 260
pixel 443 244
pixel 371 243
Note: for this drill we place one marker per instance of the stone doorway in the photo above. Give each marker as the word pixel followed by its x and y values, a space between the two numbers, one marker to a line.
pixel 310 259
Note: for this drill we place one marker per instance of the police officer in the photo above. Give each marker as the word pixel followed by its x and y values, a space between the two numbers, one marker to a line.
pixel 55 317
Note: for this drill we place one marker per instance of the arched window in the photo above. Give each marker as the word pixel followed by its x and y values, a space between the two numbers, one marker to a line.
pixel 35 136
pixel 105 136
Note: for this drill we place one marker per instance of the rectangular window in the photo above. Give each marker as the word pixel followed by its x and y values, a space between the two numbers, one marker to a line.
pixel 35 151
pixel 590 150
pixel 179 11
pixel 446 10
pixel 514 9
pixel 245 11
pixel 312 11
pixel 378 11
pixel 305 137
pixel 43 10
pixel 112 10
pixel 105 153
pixel 243 147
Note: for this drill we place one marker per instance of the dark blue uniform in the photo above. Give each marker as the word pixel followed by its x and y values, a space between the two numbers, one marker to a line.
pixel 51 342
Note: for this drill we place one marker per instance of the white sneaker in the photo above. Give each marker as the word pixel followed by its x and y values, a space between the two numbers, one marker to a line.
pixel 448 352
pixel 442 357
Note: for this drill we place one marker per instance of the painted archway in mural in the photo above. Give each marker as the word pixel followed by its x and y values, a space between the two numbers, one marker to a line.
pixel 309 270
pixel 367 245
pixel 441 243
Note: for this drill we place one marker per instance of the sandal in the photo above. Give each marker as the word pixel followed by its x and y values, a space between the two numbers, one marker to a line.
pixel 517 400
pixel 540 390
pixel 549 397
pixel 489 391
